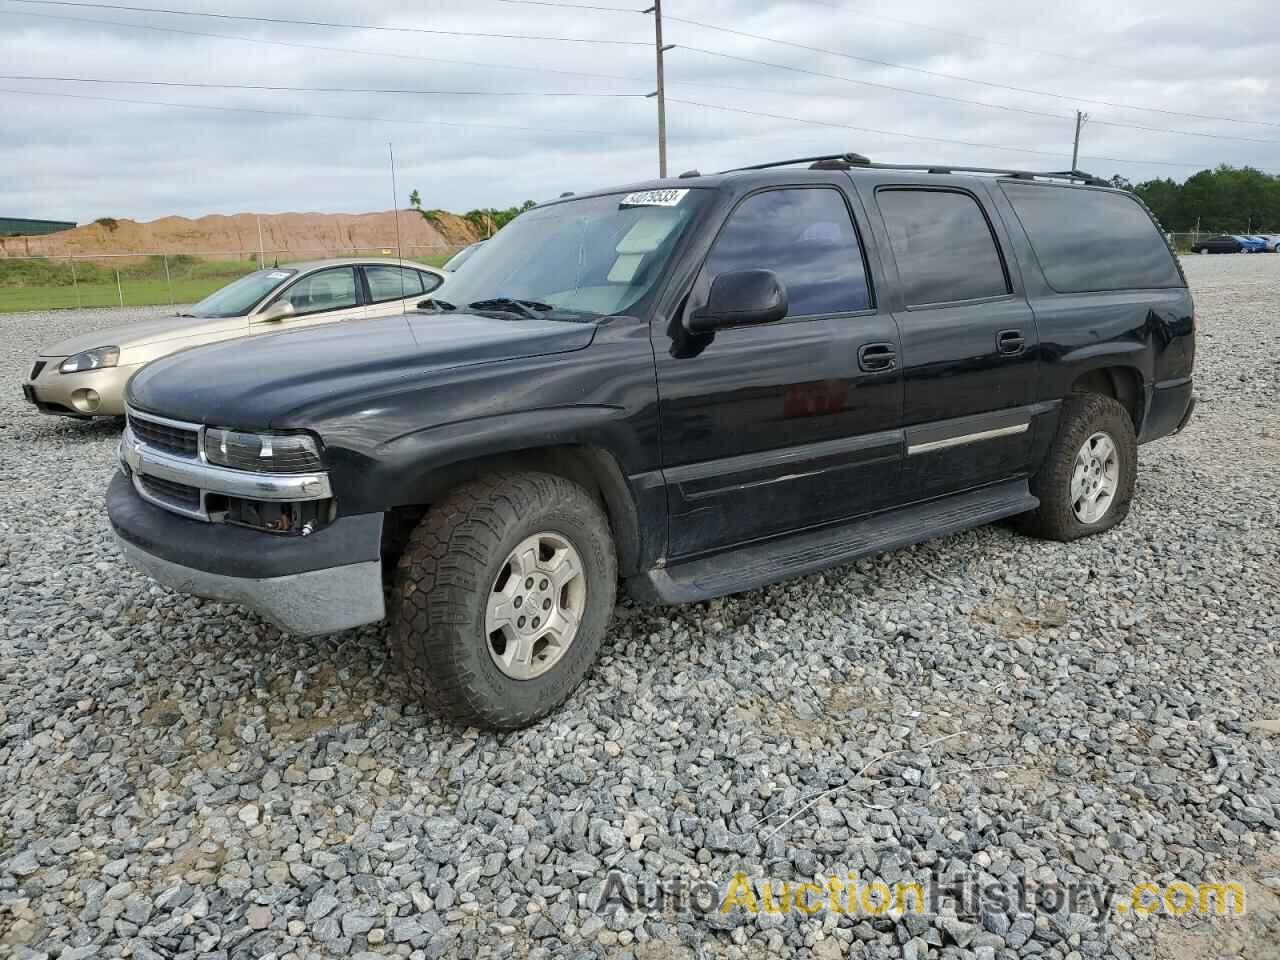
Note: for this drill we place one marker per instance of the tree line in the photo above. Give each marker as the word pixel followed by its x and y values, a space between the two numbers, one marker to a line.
pixel 488 220
pixel 1225 200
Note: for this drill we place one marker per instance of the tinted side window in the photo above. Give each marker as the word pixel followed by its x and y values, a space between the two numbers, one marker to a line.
pixel 1092 240
pixel 392 283
pixel 807 238
pixel 327 290
pixel 943 245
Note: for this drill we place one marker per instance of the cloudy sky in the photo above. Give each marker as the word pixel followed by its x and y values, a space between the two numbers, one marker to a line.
pixel 747 93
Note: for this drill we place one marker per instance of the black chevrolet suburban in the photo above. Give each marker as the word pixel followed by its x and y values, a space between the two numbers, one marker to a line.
pixel 696 386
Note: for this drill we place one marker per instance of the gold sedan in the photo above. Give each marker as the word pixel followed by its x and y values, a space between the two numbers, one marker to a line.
pixel 85 376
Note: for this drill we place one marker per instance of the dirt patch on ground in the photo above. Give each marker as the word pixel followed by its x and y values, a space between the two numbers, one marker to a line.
pixel 1253 936
pixel 1014 622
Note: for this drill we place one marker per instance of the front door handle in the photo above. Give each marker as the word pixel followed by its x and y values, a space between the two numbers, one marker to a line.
pixel 1010 342
pixel 877 357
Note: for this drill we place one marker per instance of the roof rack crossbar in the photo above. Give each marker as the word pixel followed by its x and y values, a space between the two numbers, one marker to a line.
pixel 852 158
pixel 857 160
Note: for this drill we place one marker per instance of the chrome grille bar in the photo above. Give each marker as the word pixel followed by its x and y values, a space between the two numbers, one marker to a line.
pixel 143 459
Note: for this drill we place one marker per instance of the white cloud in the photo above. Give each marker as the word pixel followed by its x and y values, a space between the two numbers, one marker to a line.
pixel 82 159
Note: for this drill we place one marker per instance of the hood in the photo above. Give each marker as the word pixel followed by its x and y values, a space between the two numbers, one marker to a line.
pixel 145 332
pixel 259 381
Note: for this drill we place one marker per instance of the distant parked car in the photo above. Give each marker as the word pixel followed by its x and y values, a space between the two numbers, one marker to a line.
pixel 1252 244
pixel 1223 243
pixel 1270 241
pixel 462 256
pixel 85 376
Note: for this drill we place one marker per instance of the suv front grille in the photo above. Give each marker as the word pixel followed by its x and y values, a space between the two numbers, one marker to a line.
pixel 178 494
pixel 161 436
pixel 37 369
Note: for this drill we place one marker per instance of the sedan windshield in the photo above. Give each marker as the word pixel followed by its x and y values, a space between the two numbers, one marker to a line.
pixel 575 260
pixel 238 298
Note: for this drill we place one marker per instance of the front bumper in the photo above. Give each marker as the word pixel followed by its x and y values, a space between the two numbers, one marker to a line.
pixel 93 393
pixel 329 581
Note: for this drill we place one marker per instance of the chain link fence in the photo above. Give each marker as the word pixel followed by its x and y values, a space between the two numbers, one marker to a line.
pixel 158 278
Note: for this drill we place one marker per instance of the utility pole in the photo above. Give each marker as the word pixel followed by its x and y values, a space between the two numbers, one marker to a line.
pixel 660 93
pixel 1081 119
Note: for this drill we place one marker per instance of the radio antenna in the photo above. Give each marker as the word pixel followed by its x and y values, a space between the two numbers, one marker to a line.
pixel 395 212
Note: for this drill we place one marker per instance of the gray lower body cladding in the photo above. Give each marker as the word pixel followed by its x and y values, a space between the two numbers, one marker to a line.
pixel 329 581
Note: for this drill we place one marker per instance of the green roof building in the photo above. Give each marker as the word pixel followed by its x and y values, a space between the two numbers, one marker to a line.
pixel 22 227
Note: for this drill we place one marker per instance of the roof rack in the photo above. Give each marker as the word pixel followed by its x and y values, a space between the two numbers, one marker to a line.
pixel 848 161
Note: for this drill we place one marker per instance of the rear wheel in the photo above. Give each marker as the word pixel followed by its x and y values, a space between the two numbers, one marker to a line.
pixel 502 598
pixel 1086 483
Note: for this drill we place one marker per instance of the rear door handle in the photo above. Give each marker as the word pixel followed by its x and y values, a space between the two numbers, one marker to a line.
pixel 877 357
pixel 1010 342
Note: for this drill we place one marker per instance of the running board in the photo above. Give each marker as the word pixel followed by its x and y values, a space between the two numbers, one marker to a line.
pixel 761 563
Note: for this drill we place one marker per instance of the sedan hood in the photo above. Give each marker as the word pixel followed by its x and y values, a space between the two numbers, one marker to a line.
pixel 146 332
pixel 261 381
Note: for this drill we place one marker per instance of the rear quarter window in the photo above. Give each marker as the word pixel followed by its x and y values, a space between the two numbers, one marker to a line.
pixel 1091 240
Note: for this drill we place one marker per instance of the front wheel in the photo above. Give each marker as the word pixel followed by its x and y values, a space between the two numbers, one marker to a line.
pixel 1086 483
pixel 502 598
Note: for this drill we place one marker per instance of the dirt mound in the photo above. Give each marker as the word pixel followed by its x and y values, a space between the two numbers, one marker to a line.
pixel 295 235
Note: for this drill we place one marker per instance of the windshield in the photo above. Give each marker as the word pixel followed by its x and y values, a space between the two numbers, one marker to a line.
pixel 238 298
pixel 582 258
pixel 461 257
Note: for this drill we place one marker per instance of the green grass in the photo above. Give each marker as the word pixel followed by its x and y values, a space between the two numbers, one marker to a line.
pixel 50 284
pixel 137 293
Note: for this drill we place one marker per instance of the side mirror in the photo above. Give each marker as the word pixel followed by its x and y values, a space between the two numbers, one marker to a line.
pixel 741 298
pixel 277 311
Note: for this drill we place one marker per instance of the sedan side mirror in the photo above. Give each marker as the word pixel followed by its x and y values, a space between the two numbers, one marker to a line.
pixel 277 311
pixel 741 298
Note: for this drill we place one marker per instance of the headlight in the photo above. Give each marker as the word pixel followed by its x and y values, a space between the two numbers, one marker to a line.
pixel 94 359
pixel 262 452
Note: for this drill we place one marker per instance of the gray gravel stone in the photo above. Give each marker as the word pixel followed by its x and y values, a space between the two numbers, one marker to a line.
pixel 180 779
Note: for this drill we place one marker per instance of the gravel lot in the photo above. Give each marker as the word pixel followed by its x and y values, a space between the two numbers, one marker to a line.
pixel 179 779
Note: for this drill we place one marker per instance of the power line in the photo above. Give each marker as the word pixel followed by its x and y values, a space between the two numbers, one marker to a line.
pixel 862 83
pixel 330 23
pixel 916 24
pixel 514 93
pixel 938 96
pixel 1181 133
pixel 948 76
pixel 710 84
pixel 257 86
pixel 931 139
pixel 569 6
pixel 819 74
pixel 355 51
pixel 322 116
pixel 861 129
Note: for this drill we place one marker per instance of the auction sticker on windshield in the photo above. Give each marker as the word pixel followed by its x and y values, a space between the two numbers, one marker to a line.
pixel 653 198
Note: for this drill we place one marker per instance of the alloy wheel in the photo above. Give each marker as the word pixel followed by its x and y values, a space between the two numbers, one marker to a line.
pixel 535 606
pixel 1095 478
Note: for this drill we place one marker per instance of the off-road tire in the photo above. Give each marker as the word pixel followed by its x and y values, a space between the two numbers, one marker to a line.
pixel 443 582
pixel 1081 416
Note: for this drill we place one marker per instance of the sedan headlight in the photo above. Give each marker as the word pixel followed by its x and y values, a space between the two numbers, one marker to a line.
pixel 94 359
pixel 262 452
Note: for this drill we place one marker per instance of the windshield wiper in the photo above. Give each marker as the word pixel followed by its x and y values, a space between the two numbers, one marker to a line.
pixel 526 308
pixel 433 304
pixel 191 315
